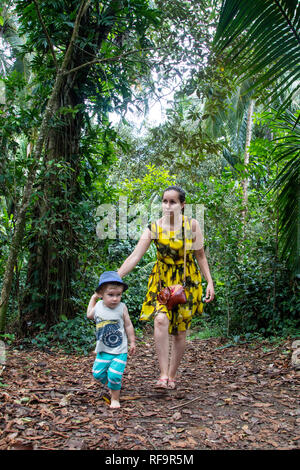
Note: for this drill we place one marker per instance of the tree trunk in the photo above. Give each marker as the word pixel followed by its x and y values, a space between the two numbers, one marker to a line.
pixel 53 257
pixel 245 181
pixel 43 133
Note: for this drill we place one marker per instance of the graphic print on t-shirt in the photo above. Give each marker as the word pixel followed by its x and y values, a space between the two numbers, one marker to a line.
pixel 108 331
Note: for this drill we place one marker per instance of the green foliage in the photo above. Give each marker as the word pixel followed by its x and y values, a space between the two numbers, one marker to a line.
pixel 138 281
pixel 262 44
pixel 8 338
pixel 153 182
pixel 72 336
pixel 287 186
pixel 253 291
pixel 258 298
pixel 203 328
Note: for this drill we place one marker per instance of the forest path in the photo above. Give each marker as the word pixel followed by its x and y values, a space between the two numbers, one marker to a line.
pixel 240 397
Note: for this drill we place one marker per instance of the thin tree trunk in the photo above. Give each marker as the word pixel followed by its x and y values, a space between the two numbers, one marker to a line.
pixel 228 315
pixel 276 254
pixel 43 133
pixel 245 181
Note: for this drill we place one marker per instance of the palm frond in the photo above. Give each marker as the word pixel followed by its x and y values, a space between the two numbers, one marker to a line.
pixel 287 189
pixel 262 39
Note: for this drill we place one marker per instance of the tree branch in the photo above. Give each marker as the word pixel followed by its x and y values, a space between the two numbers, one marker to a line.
pixel 109 59
pixel 82 9
pixel 46 33
pixel 185 403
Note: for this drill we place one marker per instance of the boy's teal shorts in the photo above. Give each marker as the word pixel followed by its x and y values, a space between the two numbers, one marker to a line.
pixel 109 368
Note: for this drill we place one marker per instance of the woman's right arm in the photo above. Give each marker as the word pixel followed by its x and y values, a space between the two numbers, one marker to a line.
pixel 137 254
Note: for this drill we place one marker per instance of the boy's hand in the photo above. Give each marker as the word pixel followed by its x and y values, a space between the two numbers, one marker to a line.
pixel 132 349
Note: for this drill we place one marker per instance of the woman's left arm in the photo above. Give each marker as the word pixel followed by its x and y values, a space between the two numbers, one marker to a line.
pixel 202 260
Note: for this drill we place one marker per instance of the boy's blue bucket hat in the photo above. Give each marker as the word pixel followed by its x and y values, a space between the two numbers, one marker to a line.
pixel 111 276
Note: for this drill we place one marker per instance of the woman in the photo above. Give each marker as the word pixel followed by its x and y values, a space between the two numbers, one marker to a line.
pixel 170 233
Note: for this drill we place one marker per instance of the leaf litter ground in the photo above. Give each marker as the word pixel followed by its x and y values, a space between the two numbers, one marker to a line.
pixel 242 397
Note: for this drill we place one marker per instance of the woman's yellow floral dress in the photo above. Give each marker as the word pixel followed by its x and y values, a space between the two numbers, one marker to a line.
pixel 170 256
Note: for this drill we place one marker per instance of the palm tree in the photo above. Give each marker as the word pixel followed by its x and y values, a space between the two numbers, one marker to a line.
pixel 233 122
pixel 261 40
pixel 263 37
pixel 11 57
pixel 287 186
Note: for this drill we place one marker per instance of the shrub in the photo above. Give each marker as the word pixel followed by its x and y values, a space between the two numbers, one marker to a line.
pixel 73 336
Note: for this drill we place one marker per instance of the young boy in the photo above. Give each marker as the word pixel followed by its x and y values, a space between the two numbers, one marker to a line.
pixel 113 328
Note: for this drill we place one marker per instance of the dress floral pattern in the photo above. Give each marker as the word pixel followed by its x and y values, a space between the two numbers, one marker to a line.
pixel 170 268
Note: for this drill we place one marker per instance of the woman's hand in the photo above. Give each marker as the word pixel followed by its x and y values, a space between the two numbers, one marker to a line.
pixel 210 292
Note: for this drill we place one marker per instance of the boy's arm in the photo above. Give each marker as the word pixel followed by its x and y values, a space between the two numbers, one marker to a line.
pixel 129 330
pixel 91 307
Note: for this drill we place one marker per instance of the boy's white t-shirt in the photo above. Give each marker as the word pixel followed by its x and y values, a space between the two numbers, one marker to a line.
pixel 110 332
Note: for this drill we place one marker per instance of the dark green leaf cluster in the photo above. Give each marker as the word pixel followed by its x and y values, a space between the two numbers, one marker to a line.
pixel 254 293
pixel 109 32
pixel 75 336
